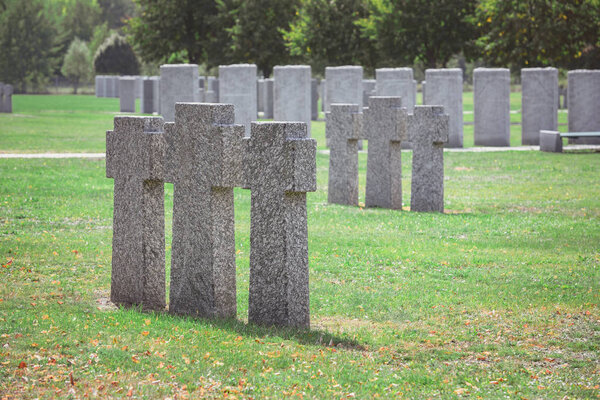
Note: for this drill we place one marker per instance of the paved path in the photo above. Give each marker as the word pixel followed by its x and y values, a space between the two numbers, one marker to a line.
pixel 465 150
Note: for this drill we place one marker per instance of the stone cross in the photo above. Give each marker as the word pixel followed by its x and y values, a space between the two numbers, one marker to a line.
pixel 344 127
pixel 135 152
pixel 428 130
pixel 204 164
pixel 385 129
pixel 281 168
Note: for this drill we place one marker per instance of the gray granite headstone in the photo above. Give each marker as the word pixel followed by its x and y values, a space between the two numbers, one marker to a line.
pixel 8 93
pixel 397 82
pixel 344 85
pixel 178 83
pixel 269 84
pixel 99 83
pixel 281 168
pixel 260 95
pixel 550 141
pixel 539 94
pixel 135 152
pixel 322 86
pixel 139 86
pixel 156 93
pixel 428 130
pixel 147 104
pixel 583 93
pixel 291 94
pixel 344 124
pixel 127 91
pixel 491 97
pixel 110 86
pixel 1 97
pixel 445 88
pixel 213 85
pixel 237 86
pixel 385 129
pixel 369 89
pixel 204 162
pixel 314 99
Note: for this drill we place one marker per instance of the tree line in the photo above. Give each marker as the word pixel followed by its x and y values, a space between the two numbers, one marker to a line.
pixel 372 33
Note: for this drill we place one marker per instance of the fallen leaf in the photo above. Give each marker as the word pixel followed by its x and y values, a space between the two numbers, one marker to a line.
pixel 22 365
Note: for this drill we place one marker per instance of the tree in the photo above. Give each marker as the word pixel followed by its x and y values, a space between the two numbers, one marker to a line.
pixel 257 34
pixel 116 56
pixel 26 44
pixel 535 33
pixel 77 65
pixel 116 13
pixel 325 32
pixel 431 32
pixel 183 30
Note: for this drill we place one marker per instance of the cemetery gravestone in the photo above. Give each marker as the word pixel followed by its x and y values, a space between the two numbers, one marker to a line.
pixel 314 99
pixel 99 81
pixel 445 87
pixel 428 130
pixel 268 113
pixel 397 82
pixel 156 93
pixel 213 86
pixel 385 129
pixel 237 86
pixel 147 102
pixel 127 93
pixel 178 83
pixel 1 97
pixel 281 169
pixel 491 87
pixel 344 124
pixel 343 85
pixel 260 94
pixel 583 93
pixel 204 155
pixel 539 103
pixel 368 89
pixel 291 94
pixel 135 152
pixel 110 88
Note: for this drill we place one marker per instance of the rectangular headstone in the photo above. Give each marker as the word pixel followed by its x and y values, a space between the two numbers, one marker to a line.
pixel 369 89
pixel 445 88
pixel 237 86
pixel 127 93
pixel 583 95
pixel 322 86
pixel 428 130
pixel 344 124
pixel 397 82
pixel 260 95
pixel 291 94
pixel 178 83
pixel 269 86
pixel 135 152
pixel 344 85
pixel 491 97
pixel 1 97
pixel 99 81
pixel 213 84
pixel 156 93
pixel 139 86
pixel 110 88
pixel 540 99
pixel 147 102
pixel 281 168
pixel 204 162
pixel 314 99
pixel 385 129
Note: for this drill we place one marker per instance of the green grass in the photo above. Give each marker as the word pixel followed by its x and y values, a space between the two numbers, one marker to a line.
pixel 498 297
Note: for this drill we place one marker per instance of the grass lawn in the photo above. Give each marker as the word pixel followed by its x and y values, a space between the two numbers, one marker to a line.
pixel 498 297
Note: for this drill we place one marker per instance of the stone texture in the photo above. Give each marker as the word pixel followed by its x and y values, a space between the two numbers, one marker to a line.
pixel 178 83
pixel 550 141
pixel 385 129
pixel 369 89
pixel 260 95
pixel 397 82
pixel 7 93
pixel 445 88
pixel 139 86
pixel 135 152
pixel 99 86
pixel 539 103
pixel 343 85
pixel 344 124
pixel 147 104
pixel 428 130
pixel 491 87
pixel 204 162
pixel 583 95
pixel 127 93
pixel 314 99
pixel 269 84
pixel 281 168
pixel 1 97
pixel 291 94
pixel 156 93
pixel 237 86
pixel 213 85
pixel 322 86
pixel 110 86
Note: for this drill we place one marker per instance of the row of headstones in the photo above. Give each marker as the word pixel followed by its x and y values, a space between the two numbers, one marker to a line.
pixel 205 155
pixel 386 125
pixel 6 92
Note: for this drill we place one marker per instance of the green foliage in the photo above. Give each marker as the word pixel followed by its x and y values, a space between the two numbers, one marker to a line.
pixel 115 13
pixel 101 33
pixel 257 35
pixel 116 56
pixel 77 65
pixel 26 44
pixel 326 32
pixel 427 31
pixel 79 18
pixel 536 33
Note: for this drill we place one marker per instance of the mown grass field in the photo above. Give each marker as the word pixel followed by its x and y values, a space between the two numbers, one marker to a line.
pixel 498 297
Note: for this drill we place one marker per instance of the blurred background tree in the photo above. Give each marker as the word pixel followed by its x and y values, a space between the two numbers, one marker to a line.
pixel 77 65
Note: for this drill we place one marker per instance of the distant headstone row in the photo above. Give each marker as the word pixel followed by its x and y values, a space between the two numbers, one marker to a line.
pixel 6 92
pixel 386 124
pixel 205 155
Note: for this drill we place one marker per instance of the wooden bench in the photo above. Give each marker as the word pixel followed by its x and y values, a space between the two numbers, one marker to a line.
pixel 551 141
